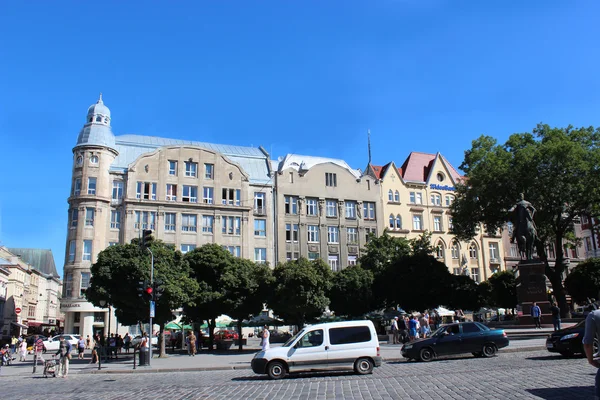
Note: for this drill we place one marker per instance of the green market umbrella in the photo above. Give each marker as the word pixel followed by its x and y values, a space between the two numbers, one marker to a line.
pixel 218 325
pixel 176 326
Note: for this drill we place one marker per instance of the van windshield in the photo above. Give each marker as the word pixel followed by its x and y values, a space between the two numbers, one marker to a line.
pixel 291 340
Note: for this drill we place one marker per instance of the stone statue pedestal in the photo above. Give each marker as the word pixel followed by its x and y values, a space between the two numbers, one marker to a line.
pixel 531 288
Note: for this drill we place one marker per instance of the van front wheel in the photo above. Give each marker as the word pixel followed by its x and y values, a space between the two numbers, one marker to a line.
pixel 363 366
pixel 276 370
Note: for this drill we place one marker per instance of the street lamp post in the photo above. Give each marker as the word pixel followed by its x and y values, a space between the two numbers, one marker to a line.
pixel 151 305
pixel 98 345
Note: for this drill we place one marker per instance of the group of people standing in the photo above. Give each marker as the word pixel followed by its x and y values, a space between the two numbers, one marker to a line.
pixel 408 328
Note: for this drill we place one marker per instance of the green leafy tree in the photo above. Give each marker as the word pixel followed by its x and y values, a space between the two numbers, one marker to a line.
pixel 503 289
pixel 583 282
pixel 208 264
pixel 485 291
pixel 118 271
pixel 556 169
pixel 300 290
pixel 246 286
pixel 352 292
pixel 464 293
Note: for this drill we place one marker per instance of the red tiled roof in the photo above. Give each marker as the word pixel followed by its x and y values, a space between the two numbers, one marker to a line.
pixel 377 170
pixel 417 166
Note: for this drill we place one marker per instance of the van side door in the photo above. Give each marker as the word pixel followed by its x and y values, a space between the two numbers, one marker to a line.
pixel 309 352
pixel 348 343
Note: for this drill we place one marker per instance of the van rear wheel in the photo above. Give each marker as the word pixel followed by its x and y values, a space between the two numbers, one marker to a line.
pixel 276 370
pixel 363 366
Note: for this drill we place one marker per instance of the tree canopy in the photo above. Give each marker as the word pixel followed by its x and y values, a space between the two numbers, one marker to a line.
pixel 503 287
pixel 556 169
pixel 583 282
pixel 352 292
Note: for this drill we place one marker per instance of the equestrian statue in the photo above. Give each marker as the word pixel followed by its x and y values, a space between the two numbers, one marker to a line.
pixel 524 230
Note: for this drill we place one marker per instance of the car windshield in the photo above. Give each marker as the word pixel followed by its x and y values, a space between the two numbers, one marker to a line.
pixel 482 326
pixel 439 330
pixel 291 340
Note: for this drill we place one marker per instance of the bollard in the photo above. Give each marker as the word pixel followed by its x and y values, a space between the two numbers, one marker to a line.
pixel 134 357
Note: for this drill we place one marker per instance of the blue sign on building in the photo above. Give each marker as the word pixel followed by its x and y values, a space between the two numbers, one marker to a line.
pixel 434 186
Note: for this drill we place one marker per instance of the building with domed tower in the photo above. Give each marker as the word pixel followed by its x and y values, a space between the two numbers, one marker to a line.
pixel 188 193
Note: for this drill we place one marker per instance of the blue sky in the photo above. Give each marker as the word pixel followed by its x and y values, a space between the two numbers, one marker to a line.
pixel 293 76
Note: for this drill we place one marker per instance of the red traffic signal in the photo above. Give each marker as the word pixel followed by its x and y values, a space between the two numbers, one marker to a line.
pixel 149 290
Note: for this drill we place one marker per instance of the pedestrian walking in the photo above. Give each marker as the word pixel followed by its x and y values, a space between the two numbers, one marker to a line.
pixel 88 342
pixel 412 328
pixel 127 342
pixel 13 344
pixel 555 316
pixel 191 344
pixel 64 353
pixel 80 348
pixel 536 314
pixel 402 329
pixel 23 351
pixel 38 351
pixel 395 330
pixel 265 336
pixel 592 331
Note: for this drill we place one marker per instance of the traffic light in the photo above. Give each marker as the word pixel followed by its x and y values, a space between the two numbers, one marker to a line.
pixel 146 237
pixel 141 288
pixel 158 290
pixel 145 290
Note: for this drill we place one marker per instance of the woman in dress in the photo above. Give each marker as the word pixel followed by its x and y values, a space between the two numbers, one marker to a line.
pixel 23 350
pixel 265 338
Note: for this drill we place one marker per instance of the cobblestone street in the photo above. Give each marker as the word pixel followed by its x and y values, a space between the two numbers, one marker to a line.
pixel 508 376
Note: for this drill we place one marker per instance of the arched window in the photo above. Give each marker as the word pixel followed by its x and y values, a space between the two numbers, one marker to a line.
pixel 392 221
pixel 94 159
pixel 436 199
pixel 397 197
pixel 473 252
pixel 449 200
pixel 398 222
pixel 98 119
pixel 439 250
pixel 455 251
pixel 390 195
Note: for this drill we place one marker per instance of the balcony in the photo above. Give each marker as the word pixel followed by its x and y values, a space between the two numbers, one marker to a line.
pixel 261 211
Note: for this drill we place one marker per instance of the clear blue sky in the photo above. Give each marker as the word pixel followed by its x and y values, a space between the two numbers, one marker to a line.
pixel 294 76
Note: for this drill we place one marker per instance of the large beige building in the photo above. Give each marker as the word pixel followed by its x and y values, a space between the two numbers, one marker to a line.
pixel 324 209
pixel 416 198
pixel 187 193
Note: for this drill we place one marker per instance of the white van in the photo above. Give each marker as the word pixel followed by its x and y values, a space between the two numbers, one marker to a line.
pixel 329 346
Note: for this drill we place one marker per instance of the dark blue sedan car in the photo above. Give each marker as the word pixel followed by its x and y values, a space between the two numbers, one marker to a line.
pixel 457 338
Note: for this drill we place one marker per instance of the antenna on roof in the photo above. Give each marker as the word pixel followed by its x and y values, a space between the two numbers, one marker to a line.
pixel 369 140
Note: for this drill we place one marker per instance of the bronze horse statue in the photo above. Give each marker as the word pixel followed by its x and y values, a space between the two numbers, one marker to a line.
pixel 524 230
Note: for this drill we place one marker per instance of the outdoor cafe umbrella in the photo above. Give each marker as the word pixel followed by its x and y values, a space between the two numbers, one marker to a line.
pixel 175 326
pixel 262 320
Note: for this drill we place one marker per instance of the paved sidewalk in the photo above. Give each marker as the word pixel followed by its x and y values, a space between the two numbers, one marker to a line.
pixel 211 361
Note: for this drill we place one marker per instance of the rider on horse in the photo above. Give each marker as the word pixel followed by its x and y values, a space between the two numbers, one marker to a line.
pixel 524 230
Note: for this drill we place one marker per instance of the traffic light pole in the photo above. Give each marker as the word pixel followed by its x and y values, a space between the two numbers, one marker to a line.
pixel 151 299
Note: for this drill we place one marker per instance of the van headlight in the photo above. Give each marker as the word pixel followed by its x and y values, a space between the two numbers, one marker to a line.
pixel 569 336
pixel 407 347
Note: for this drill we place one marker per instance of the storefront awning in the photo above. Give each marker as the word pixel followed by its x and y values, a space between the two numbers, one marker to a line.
pixel 19 325
pixel 30 324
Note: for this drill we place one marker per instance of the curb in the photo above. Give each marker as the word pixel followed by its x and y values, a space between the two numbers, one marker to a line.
pixel 147 370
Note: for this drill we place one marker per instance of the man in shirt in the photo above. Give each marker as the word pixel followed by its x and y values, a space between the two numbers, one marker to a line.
pixel 38 351
pixel 536 313
pixel 64 353
pixel 592 332
pixel 555 316
pixel 395 331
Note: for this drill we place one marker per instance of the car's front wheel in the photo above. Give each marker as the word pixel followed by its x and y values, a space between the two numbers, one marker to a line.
pixel 276 370
pixel 426 354
pixel 489 350
pixel 363 366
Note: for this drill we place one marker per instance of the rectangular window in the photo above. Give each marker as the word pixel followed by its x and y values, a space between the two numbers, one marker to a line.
pixel 351 260
pixel 551 252
pixel 191 169
pixel 89 216
pixel 417 222
pixel 77 187
pixel 74 217
pixel 349 334
pixel 331 208
pixel 333 234
pixel 370 232
pixel 170 222
pixel 112 243
pixel 208 222
pixel 436 199
pixel 72 251
pixel 146 191
pixel 412 198
pixel 260 227
pixel 312 207
pixel 84 284
pixel 190 194
pixel 313 233
pixel 494 251
pixel 292 255
pixel 514 251
pixel 350 207
pixel 330 179
pixel 259 203
pixel 231 197
pixel 313 256
pixel 189 222
pixel 172 168
pixel 449 199
pixel 208 195
pixel 291 232
pixel 475 274
pixel 115 219
pixel 456 271
pixel 31 312
pixel 87 250
pixel 260 255
pixel 91 186
pixel 231 225
pixel 117 190
pixel 69 285
pixel 588 244
pixel 209 171
pixel 437 223
pixel 334 262
pixel 234 250
pixel 450 224
pixel 172 192
pixel 352 235
pixel 369 210
pixel 291 205
pixel 145 220
pixel 187 247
